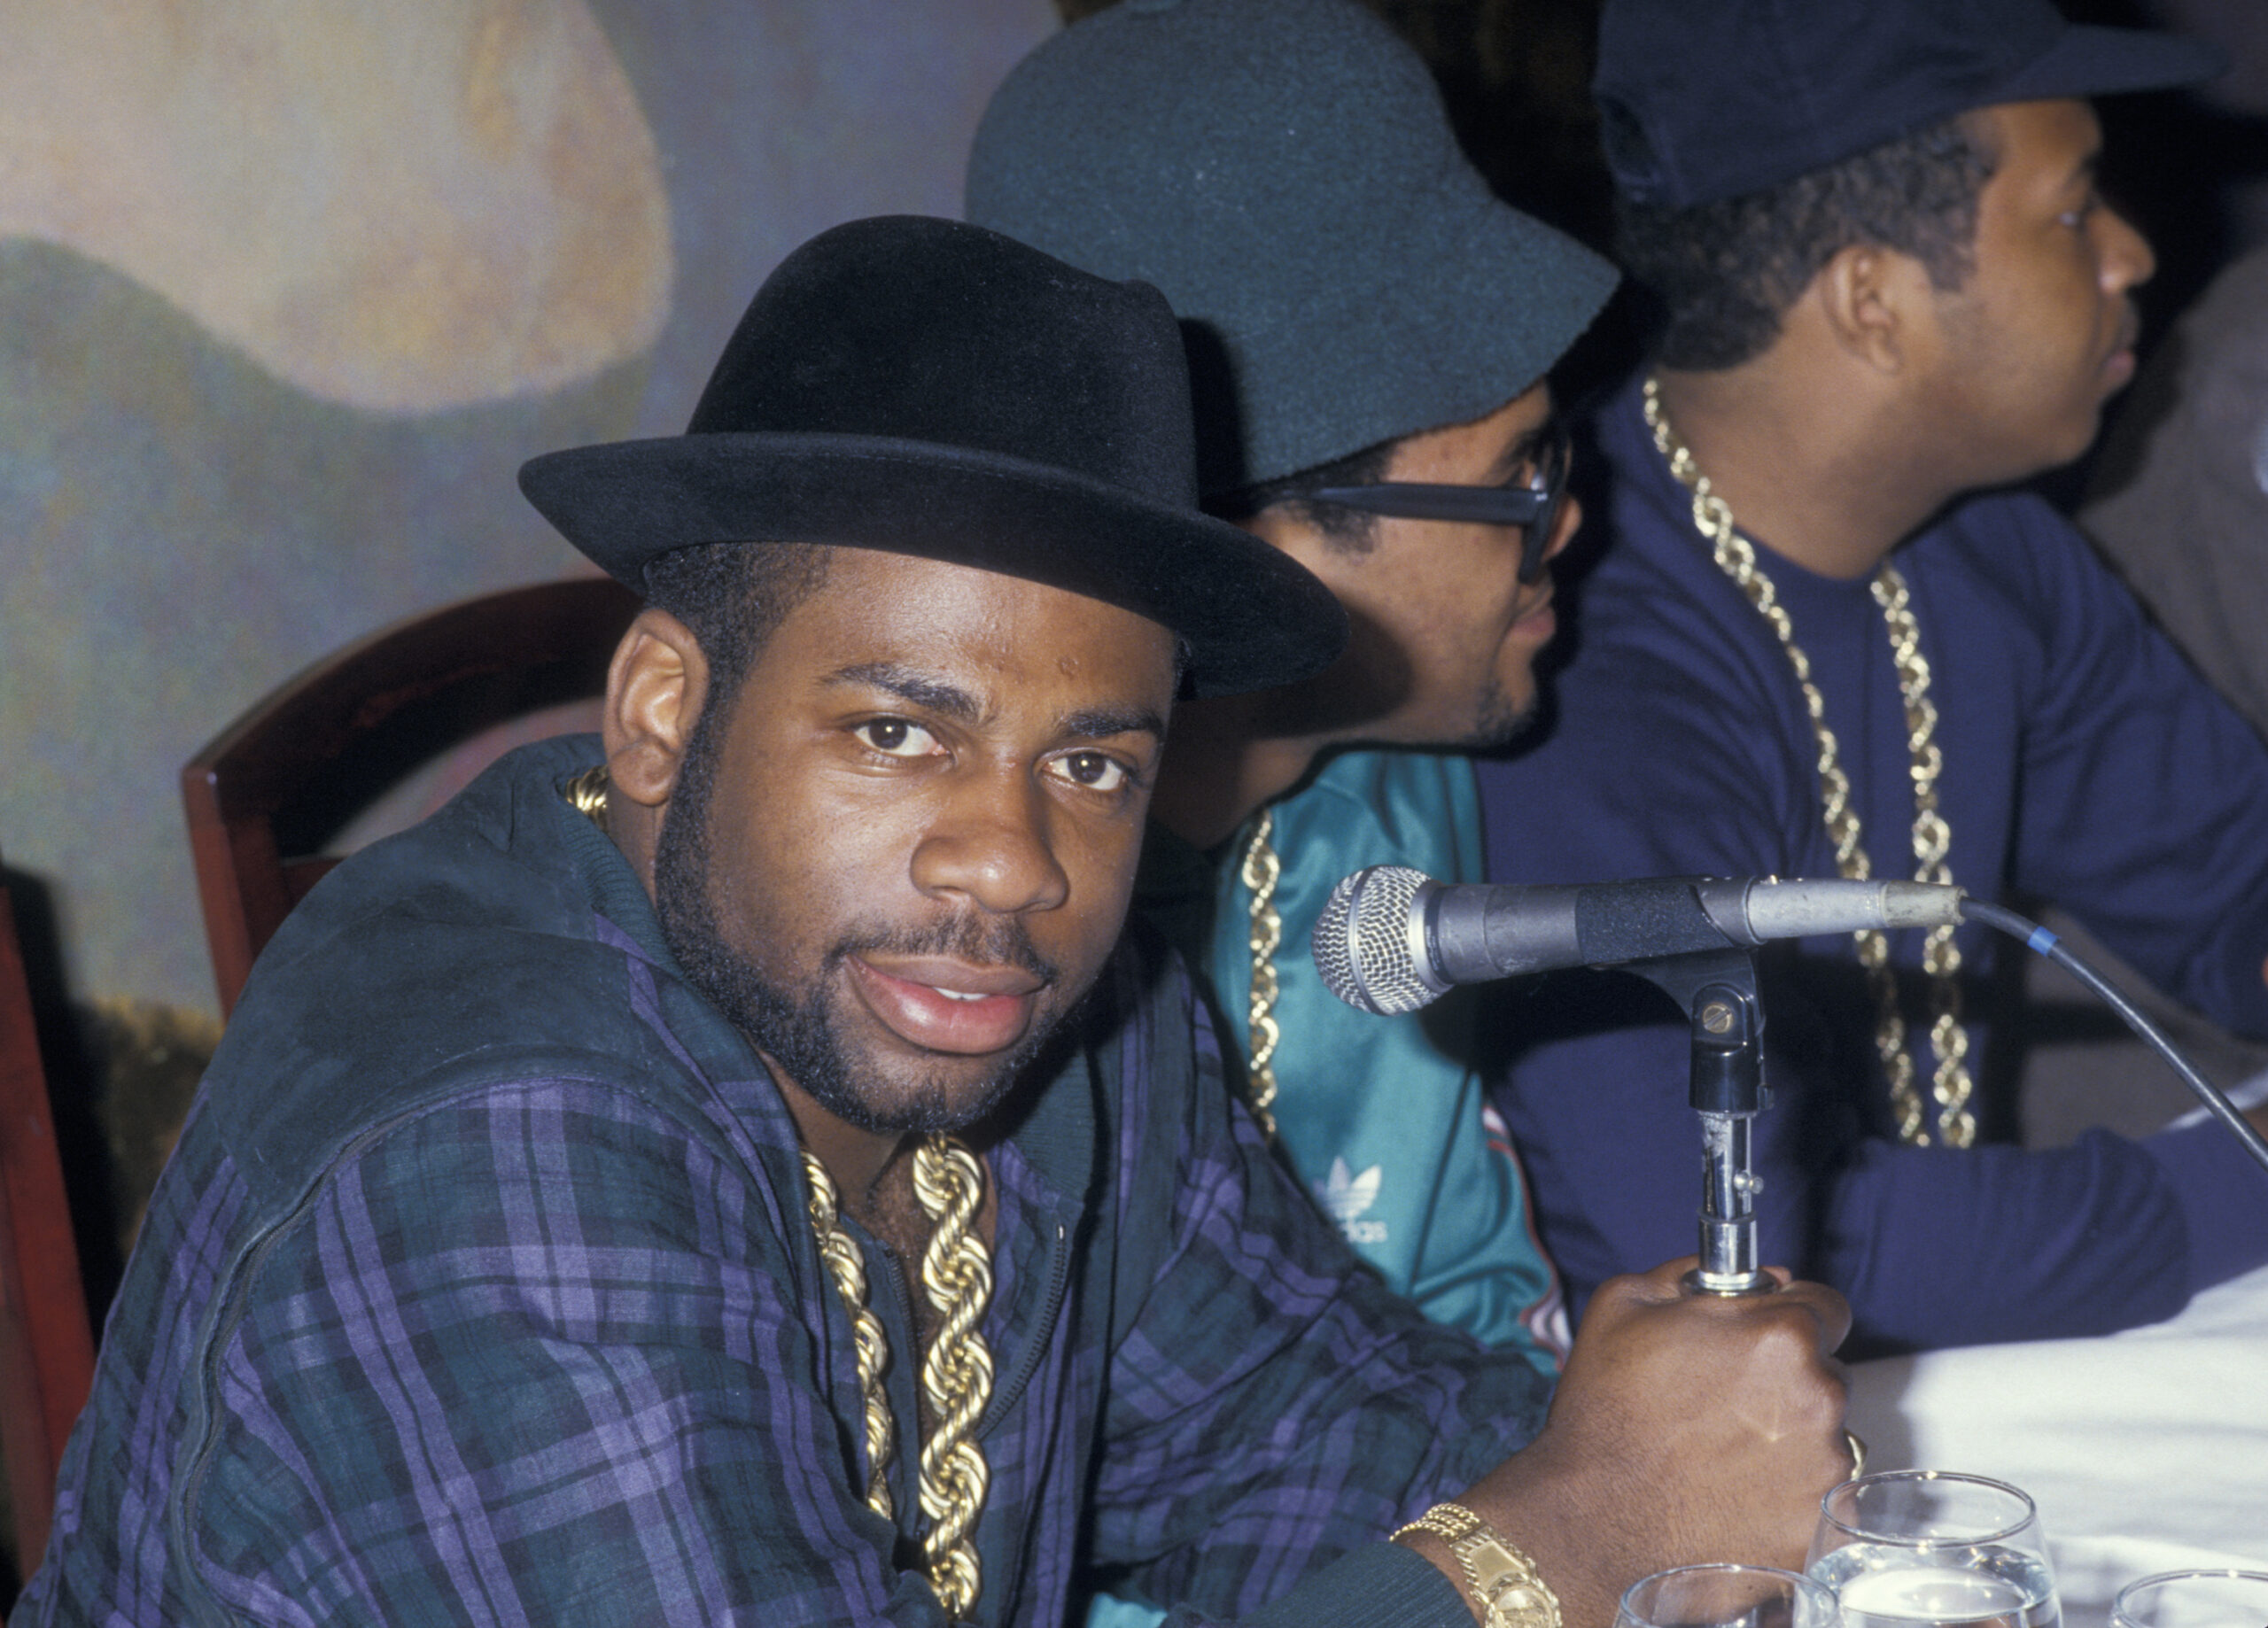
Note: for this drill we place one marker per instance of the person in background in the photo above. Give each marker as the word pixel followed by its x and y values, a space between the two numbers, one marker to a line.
pixel 2179 496
pixel 1370 332
pixel 1820 640
pixel 1823 637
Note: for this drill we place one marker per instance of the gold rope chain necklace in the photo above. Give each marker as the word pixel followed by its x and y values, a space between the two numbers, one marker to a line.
pixel 957 1373
pixel 1261 871
pixel 1951 1084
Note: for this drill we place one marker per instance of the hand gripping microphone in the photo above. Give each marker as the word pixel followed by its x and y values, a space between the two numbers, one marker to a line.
pixel 1391 938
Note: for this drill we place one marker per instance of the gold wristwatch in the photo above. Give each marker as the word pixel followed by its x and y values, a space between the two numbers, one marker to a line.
pixel 1502 1581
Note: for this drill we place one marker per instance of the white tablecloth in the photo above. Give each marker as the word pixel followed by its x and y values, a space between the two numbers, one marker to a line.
pixel 2145 1451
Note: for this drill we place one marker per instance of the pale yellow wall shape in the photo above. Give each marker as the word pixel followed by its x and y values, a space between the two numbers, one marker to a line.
pixel 402 206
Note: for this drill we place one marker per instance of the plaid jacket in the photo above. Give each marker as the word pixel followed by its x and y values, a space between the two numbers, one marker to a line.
pixel 481 1289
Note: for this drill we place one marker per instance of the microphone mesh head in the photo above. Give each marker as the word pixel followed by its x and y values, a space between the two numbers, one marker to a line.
pixel 1362 941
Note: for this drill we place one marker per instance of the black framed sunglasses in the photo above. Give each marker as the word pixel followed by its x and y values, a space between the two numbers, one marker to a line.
pixel 1533 503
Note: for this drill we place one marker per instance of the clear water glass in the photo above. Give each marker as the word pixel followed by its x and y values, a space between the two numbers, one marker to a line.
pixel 1927 1548
pixel 1725 1597
pixel 2193 1599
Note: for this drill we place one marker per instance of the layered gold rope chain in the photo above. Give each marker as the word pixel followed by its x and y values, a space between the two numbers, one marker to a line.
pixel 848 1267
pixel 1951 1084
pixel 956 1375
pixel 1261 871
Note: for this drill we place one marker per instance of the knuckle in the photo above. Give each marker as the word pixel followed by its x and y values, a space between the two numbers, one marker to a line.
pixel 1788 1340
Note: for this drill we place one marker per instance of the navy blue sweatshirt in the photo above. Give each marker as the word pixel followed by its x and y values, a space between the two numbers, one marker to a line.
pixel 2085 762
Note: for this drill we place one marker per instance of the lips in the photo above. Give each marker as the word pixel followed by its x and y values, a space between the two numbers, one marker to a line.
pixel 1537 617
pixel 2119 366
pixel 941 1003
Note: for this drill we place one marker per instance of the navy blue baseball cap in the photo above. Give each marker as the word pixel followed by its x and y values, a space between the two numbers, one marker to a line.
pixel 1701 100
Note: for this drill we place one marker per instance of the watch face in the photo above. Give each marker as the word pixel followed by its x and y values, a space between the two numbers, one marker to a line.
pixel 1517 1605
pixel 1512 1596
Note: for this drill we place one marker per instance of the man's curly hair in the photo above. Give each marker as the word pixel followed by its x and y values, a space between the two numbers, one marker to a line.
pixel 1726 271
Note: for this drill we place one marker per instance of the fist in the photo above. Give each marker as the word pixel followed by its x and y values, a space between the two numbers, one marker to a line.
pixel 1686 1427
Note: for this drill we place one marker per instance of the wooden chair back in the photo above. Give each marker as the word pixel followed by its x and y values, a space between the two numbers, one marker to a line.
pixel 268 791
pixel 47 1346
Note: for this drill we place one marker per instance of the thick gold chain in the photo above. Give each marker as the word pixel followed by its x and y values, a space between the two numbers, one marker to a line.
pixel 586 794
pixel 848 1269
pixel 1261 871
pixel 956 1377
pixel 1951 1084
pixel 957 1373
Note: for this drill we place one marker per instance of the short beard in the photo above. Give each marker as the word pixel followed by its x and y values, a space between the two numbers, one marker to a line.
pixel 1497 723
pixel 799 1035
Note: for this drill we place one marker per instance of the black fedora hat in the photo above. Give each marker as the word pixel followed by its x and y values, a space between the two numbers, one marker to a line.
pixel 931 388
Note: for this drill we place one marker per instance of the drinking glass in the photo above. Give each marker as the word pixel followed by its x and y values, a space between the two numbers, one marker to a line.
pixel 1725 1597
pixel 1926 1548
pixel 2193 1599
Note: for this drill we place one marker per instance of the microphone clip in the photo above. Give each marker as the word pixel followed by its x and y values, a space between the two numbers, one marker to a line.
pixel 1725 1026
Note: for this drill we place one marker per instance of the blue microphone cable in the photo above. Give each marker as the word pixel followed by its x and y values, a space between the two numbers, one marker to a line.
pixel 2042 942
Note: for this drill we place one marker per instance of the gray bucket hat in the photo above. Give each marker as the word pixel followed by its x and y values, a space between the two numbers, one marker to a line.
pixel 1284 172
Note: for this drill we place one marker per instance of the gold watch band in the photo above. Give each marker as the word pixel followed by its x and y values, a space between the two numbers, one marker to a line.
pixel 1504 1582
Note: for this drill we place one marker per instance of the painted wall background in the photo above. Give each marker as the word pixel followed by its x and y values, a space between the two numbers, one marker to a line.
pixel 288 291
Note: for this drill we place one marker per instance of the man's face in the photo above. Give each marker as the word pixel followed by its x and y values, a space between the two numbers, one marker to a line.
pixel 1444 636
pixel 2025 353
pixel 907 850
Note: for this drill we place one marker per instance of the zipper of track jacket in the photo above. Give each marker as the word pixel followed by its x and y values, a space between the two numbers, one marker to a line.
pixel 1059 1278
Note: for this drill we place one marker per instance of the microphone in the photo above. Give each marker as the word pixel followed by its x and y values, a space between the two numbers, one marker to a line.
pixel 1390 939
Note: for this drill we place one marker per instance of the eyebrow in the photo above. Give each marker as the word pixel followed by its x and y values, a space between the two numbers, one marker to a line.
pixel 911 684
pixel 933 694
pixel 1103 722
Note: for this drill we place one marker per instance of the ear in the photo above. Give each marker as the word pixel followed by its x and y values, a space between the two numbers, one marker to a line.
pixel 655 689
pixel 1875 303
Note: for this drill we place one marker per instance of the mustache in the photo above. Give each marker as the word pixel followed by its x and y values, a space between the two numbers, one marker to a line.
pixel 971 935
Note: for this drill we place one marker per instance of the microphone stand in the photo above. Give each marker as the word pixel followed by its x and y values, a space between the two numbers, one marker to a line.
pixel 1717 989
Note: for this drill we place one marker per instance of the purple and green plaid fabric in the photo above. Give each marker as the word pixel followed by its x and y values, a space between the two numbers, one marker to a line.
pixel 555 1347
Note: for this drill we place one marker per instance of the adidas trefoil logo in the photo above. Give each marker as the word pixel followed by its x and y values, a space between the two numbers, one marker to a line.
pixel 1346 1197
